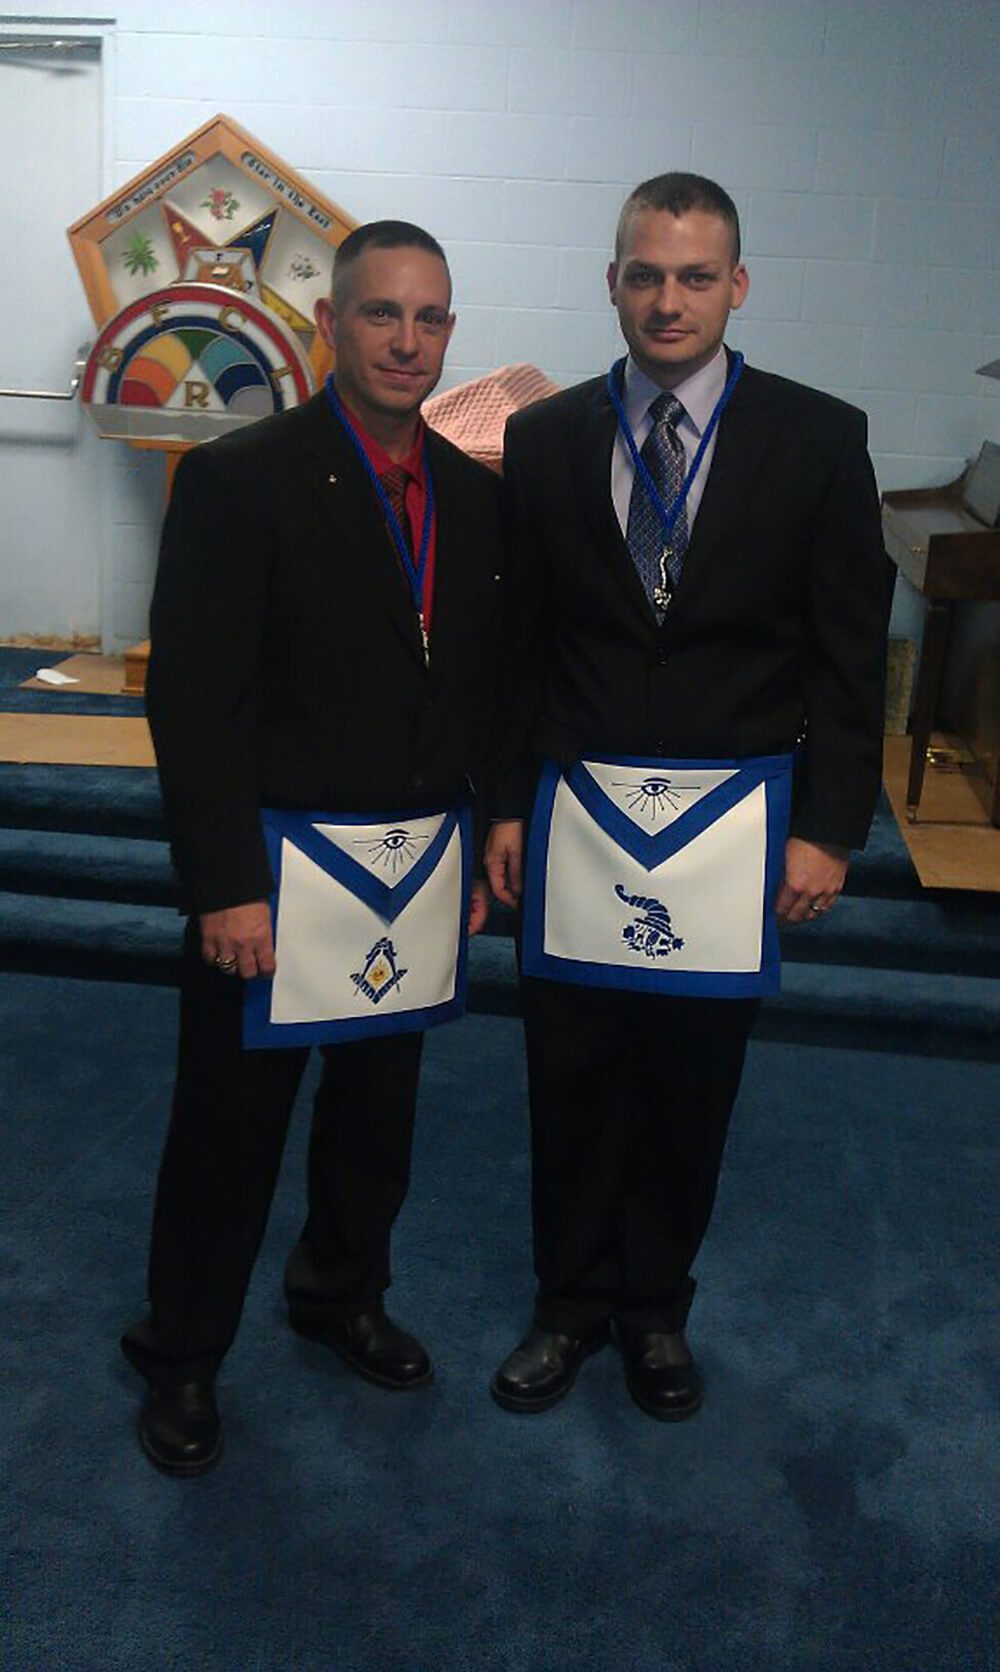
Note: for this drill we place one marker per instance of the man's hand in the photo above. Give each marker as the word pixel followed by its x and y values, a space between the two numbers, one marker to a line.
pixel 240 933
pixel 479 906
pixel 814 876
pixel 504 860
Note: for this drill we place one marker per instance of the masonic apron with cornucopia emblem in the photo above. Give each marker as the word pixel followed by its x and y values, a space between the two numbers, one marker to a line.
pixel 658 875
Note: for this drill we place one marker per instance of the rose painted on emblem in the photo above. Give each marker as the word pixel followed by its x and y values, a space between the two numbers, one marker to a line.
pixel 220 203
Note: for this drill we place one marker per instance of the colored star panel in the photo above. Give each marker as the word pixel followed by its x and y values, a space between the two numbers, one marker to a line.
pixel 255 238
pixel 298 323
pixel 190 362
pixel 183 235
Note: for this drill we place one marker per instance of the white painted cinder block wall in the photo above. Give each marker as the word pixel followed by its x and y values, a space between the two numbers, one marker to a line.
pixel 860 139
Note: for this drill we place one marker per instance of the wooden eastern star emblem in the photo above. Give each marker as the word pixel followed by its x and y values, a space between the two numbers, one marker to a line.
pixel 218 209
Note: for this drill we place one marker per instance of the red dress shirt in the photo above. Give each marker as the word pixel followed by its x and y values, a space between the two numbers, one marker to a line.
pixel 414 498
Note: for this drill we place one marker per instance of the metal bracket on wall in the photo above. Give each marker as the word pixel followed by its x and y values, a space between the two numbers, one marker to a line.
pixel 86 45
pixel 54 394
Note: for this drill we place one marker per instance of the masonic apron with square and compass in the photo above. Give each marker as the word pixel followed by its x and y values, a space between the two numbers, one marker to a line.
pixel 658 875
pixel 369 912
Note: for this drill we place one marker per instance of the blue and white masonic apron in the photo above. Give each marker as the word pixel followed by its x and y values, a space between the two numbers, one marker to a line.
pixel 658 875
pixel 369 921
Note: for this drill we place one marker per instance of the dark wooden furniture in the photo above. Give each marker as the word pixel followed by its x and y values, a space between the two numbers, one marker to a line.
pixel 947 554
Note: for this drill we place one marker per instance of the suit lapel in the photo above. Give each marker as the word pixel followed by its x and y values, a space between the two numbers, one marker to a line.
pixel 352 513
pixel 592 471
pixel 455 541
pixel 743 435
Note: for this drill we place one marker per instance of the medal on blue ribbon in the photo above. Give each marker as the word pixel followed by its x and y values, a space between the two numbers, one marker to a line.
pixel 668 514
pixel 414 572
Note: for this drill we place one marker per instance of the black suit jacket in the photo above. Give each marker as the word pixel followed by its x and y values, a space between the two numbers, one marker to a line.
pixel 776 632
pixel 286 664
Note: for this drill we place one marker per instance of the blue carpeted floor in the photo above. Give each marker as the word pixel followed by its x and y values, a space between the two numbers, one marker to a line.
pixel 17 664
pixel 832 1509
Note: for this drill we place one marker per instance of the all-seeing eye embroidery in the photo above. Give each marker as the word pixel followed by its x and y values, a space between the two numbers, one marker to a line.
pixel 393 850
pixel 653 795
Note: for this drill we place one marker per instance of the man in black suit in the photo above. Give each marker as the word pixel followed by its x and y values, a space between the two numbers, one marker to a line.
pixel 304 658
pixel 684 593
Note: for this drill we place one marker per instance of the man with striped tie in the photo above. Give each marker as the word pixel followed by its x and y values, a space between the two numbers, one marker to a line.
pixel 693 714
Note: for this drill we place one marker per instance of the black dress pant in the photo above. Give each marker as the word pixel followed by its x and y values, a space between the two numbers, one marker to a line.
pixel 631 1096
pixel 227 1130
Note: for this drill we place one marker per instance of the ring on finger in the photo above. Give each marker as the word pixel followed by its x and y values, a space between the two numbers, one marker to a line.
pixel 226 965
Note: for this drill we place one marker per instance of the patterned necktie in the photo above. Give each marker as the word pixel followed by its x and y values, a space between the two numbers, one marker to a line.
pixel 664 458
pixel 394 482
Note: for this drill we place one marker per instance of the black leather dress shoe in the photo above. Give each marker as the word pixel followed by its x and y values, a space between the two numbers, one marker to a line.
pixel 542 1369
pixel 660 1373
pixel 179 1428
pixel 372 1345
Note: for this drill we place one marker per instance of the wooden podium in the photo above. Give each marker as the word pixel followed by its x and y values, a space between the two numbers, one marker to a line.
pixel 948 555
pixel 136 665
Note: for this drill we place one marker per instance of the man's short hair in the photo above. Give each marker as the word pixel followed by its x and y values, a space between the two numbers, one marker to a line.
pixel 679 193
pixel 381 235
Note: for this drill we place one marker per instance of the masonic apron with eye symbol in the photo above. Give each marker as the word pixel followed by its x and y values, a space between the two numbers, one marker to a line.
pixel 658 875
pixel 369 922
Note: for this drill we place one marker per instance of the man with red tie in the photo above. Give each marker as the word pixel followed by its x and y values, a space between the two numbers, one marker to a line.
pixel 324 630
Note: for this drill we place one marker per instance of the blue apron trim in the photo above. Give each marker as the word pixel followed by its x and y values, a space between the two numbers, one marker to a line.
pixel 259 1032
pixel 774 771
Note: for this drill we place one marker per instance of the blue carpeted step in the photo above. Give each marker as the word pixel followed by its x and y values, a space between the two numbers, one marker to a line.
pixel 125 801
pixel 885 867
pixel 903 1010
pixel 957 934
pixel 62 702
pixel 100 800
pixel 129 869
pixel 89 892
pixel 820 1003
pixel 100 939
